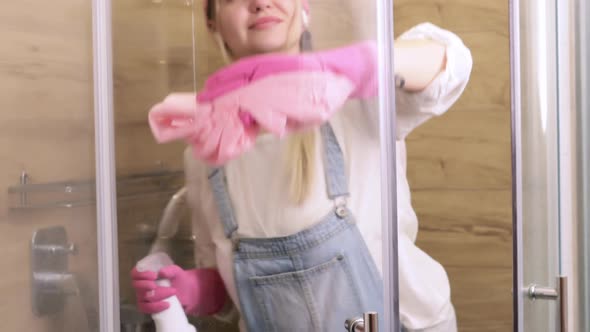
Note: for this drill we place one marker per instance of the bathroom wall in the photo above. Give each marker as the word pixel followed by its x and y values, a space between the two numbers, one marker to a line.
pixel 47 130
pixel 459 166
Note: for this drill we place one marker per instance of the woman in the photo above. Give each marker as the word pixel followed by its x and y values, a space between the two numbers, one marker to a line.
pixel 293 249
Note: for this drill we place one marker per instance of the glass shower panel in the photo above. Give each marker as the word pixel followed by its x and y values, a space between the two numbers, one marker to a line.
pixel 47 206
pixel 163 47
pixel 355 21
pixel 538 261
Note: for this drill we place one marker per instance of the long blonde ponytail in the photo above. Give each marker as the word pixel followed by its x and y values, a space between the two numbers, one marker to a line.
pixel 301 160
pixel 302 146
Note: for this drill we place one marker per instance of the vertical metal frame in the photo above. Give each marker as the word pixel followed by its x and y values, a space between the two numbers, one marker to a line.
pixel 582 42
pixel 517 279
pixel 387 120
pixel 106 203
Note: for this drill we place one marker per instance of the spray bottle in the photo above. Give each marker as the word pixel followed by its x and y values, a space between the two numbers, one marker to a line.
pixel 172 319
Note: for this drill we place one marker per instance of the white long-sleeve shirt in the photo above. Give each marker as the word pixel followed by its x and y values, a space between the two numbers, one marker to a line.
pixel 258 185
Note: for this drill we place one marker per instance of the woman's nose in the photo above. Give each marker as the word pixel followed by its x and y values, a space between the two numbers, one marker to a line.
pixel 259 5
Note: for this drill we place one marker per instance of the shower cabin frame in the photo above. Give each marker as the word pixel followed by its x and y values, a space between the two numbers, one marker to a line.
pixel 106 190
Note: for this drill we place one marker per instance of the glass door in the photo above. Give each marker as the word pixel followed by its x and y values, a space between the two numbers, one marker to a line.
pixel 48 215
pixel 165 47
pixel 537 253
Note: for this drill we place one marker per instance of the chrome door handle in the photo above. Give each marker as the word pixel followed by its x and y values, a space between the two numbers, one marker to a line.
pixel 369 323
pixel 536 292
pixel 542 293
pixel 354 325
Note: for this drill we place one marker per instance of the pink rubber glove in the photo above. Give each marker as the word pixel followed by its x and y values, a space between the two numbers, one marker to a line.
pixel 200 291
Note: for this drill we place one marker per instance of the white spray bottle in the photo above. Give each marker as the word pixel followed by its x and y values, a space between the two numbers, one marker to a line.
pixel 172 319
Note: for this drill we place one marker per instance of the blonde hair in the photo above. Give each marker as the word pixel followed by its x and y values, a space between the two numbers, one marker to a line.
pixel 301 146
pixel 301 158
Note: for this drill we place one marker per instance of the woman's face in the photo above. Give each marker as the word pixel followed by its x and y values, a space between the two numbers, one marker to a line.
pixel 250 27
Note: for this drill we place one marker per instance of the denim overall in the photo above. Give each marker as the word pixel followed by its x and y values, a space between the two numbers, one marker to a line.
pixel 313 280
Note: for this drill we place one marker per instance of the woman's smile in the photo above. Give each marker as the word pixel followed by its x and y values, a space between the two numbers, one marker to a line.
pixel 264 23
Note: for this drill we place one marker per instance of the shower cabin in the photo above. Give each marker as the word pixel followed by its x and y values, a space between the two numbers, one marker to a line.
pixel 86 191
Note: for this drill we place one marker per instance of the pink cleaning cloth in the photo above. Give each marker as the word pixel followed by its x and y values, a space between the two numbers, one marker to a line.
pixel 275 93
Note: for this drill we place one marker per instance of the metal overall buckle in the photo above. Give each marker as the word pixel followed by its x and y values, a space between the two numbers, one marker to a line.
pixel 341 208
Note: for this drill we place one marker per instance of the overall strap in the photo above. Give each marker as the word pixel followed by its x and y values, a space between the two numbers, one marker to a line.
pixel 218 183
pixel 334 166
